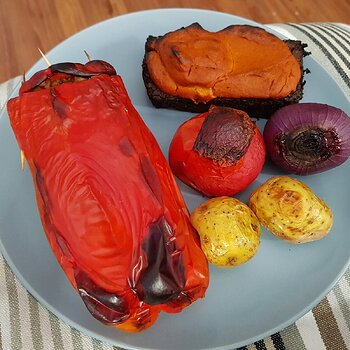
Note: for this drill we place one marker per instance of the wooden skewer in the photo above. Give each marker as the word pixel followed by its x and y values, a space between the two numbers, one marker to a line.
pixel 88 56
pixel 23 160
pixel 44 57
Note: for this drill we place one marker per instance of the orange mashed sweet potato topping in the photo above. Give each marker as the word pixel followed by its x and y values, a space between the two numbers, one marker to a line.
pixel 236 62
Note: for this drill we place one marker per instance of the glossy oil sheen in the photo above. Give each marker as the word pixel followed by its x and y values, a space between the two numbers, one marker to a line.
pixel 110 207
pixel 243 304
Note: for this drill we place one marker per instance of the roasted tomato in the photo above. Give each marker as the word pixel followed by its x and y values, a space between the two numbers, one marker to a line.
pixel 218 153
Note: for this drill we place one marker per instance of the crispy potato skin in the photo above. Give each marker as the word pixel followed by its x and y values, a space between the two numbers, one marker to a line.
pixel 291 210
pixel 229 231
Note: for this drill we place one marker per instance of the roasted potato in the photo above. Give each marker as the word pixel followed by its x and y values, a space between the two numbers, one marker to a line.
pixel 290 210
pixel 229 231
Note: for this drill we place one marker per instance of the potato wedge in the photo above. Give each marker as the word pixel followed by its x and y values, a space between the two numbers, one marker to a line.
pixel 291 210
pixel 229 231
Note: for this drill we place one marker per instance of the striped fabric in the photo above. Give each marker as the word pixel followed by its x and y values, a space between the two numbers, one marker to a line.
pixel 25 324
pixel 330 46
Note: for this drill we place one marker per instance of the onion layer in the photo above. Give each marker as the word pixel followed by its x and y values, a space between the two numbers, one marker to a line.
pixel 308 138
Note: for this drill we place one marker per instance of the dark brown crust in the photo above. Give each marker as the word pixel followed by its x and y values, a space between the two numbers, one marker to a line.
pixel 225 135
pixel 255 107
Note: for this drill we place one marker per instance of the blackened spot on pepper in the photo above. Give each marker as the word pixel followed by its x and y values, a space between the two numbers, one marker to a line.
pixel 92 68
pixel 76 69
pixel 40 184
pixel 61 109
pixel 126 147
pixel 34 81
pixel 46 207
pixel 101 67
pixel 108 308
pixel 151 177
pixel 45 79
pixel 225 135
pixel 163 279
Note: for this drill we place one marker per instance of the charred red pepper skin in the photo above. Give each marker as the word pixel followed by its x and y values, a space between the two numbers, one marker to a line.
pixel 206 176
pixel 110 207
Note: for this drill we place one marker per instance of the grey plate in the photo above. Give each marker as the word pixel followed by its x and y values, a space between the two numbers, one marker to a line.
pixel 243 304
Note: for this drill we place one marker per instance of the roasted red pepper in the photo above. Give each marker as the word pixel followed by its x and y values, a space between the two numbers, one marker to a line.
pixel 218 153
pixel 111 210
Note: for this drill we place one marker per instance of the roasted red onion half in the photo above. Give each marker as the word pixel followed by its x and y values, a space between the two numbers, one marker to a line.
pixel 308 138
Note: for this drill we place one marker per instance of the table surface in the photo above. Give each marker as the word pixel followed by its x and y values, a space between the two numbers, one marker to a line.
pixel 27 25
